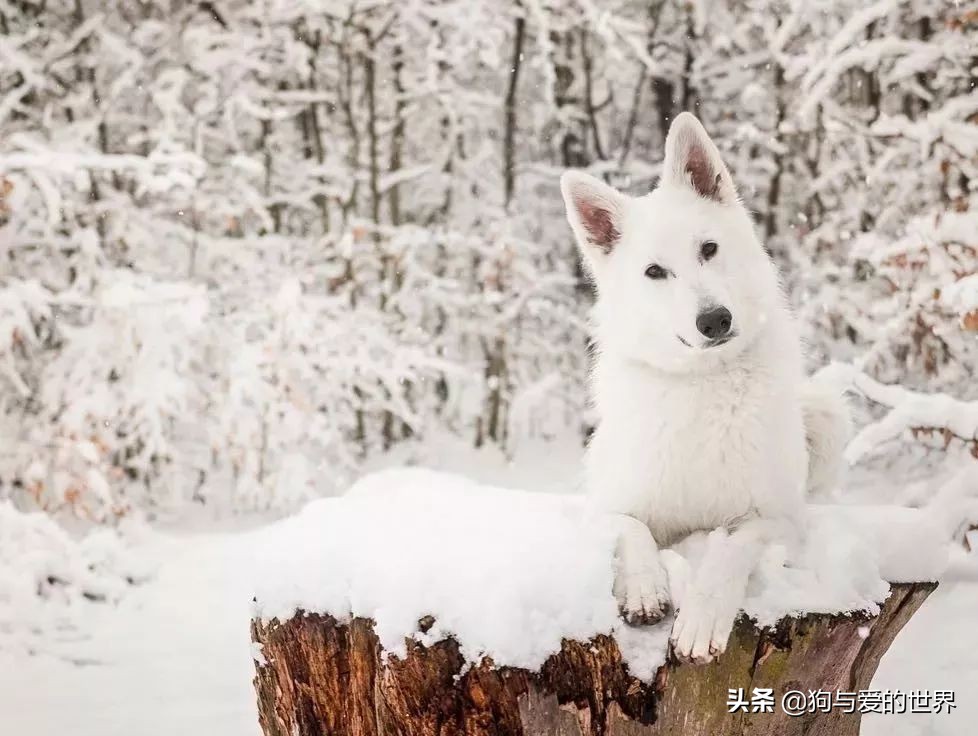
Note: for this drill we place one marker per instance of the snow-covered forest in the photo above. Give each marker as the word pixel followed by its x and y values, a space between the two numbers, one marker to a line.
pixel 247 246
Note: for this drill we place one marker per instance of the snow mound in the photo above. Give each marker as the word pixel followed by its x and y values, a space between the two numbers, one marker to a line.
pixel 509 574
pixel 48 578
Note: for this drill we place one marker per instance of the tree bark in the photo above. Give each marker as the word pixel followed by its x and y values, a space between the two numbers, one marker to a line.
pixel 319 676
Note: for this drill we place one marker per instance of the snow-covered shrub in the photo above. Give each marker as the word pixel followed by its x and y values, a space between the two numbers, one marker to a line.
pixel 889 100
pixel 48 578
pixel 924 313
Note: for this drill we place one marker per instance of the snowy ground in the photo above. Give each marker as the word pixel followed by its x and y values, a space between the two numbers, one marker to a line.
pixel 173 657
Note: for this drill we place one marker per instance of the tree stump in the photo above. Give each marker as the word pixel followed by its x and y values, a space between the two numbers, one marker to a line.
pixel 322 677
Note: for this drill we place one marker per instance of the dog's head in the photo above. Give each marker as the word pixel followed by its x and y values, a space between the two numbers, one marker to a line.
pixel 682 280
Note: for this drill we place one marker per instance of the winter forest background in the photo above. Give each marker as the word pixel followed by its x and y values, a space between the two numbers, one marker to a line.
pixel 247 246
pixel 250 248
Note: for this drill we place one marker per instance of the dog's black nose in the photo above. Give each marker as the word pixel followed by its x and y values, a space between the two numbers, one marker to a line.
pixel 715 322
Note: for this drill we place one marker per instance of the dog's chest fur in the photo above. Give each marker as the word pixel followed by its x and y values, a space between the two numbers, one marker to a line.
pixel 684 453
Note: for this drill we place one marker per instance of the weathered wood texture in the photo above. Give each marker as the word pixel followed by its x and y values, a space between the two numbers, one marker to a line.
pixel 325 678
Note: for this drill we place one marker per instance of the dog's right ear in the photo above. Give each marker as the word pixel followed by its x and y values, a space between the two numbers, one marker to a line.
pixel 692 160
pixel 595 212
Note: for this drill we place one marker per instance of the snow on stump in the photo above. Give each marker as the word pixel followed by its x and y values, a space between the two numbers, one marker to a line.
pixel 424 604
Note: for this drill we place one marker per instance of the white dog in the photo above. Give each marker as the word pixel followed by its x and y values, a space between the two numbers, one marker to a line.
pixel 706 418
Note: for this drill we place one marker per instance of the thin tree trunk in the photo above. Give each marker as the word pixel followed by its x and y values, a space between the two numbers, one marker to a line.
pixel 689 100
pixel 315 128
pixel 589 106
pixel 509 141
pixel 397 136
pixel 495 349
pixel 273 209
pixel 774 186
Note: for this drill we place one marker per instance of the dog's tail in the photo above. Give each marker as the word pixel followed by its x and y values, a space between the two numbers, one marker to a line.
pixel 828 424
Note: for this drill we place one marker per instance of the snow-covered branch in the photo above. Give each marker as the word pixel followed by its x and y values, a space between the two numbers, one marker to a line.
pixel 906 411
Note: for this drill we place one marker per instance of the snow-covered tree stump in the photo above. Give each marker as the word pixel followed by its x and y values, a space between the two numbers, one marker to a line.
pixel 317 676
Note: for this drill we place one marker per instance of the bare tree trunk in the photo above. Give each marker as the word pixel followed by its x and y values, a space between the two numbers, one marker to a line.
pixel 273 208
pixel 314 132
pixel 373 150
pixel 397 139
pixel 320 676
pixel 95 192
pixel 495 349
pixel 689 98
pixel 395 163
pixel 589 107
pixel 509 142
pixel 774 186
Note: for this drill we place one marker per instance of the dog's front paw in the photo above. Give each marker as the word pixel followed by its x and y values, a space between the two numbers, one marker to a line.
pixel 642 593
pixel 699 635
pixel 641 583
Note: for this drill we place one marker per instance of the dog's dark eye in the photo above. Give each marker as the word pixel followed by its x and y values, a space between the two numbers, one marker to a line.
pixel 655 271
pixel 708 250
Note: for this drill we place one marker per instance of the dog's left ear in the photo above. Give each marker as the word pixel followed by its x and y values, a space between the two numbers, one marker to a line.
pixel 594 211
pixel 693 160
